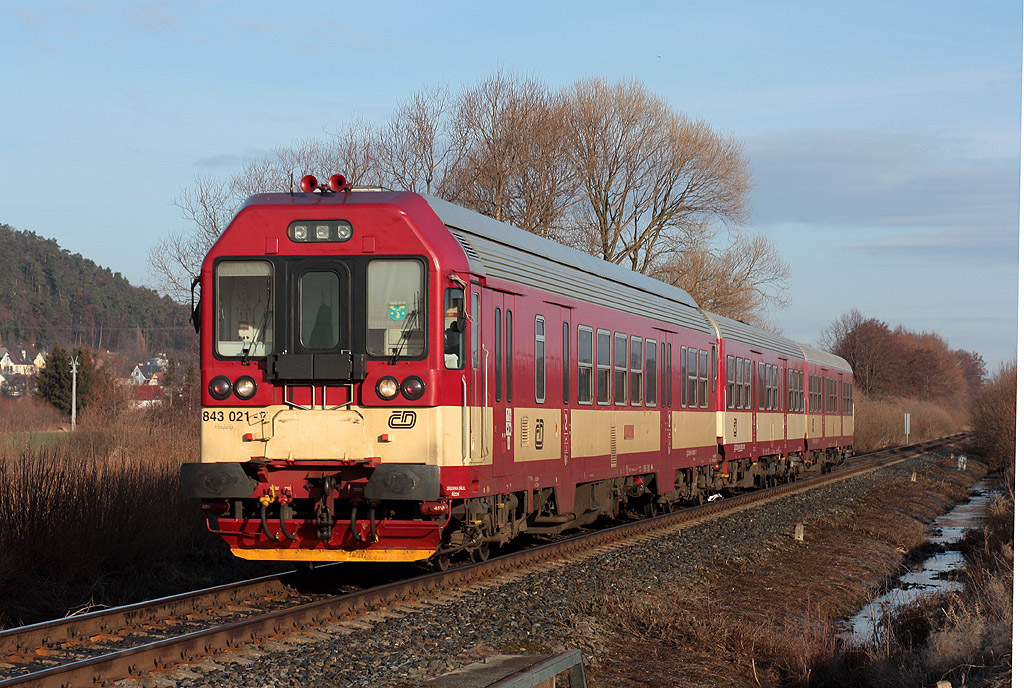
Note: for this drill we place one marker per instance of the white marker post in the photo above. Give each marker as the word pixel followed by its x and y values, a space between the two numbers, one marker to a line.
pixel 74 391
pixel 906 426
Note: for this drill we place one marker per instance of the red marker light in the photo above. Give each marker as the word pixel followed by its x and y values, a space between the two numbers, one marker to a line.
pixel 385 437
pixel 247 437
pixel 308 184
pixel 215 506
pixel 434 508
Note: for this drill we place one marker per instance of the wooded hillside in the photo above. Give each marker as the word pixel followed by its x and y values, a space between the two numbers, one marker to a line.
pixel 49 296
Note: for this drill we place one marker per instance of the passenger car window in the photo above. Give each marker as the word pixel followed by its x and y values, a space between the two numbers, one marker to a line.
pixel 604 367
pixel 621 376
pixel 585 364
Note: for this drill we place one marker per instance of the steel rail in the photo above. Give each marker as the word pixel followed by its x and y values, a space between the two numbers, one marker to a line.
pixel 166 653
pixel 21 639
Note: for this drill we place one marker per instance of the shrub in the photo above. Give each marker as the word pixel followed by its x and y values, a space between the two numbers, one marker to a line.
pixel 994 417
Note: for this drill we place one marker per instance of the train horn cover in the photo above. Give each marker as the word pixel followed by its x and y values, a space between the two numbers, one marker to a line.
pixel 338 182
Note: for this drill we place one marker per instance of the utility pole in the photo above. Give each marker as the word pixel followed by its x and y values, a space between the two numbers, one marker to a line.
pixel 74 392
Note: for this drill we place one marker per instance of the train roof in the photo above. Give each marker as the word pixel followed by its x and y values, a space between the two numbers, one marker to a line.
pixel 762 340
pixel 499 250
pixel 826 359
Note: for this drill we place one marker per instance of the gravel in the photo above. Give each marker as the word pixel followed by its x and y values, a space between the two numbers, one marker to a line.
pixel 543 611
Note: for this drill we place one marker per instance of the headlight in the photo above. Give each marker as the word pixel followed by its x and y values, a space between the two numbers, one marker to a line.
pixel 413 388
pixel 320 231
pixel 387 388
pixel 245 387
pixel 220 388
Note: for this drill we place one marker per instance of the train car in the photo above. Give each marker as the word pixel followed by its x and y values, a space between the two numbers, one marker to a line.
pixel 391 377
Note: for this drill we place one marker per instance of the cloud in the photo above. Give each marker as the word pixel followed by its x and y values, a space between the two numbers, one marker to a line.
pixel 977 246
pixel 877 179
pixel 230 161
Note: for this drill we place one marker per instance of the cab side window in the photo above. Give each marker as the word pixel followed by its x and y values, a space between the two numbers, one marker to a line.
pixel 454 324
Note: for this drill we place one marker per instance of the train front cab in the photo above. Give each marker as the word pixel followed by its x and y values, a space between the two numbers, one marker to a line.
pixel 331 374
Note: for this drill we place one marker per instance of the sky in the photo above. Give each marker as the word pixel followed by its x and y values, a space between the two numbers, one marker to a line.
pixel 883 138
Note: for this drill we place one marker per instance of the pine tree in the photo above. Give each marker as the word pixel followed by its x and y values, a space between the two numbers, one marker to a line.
pixel 54 382
pixel 171 380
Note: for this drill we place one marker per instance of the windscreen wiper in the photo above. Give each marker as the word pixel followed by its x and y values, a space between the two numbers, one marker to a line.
pixel 406 334
pixel 247 350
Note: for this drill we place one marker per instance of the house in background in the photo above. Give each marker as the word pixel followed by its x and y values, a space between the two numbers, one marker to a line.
pixel 147 395
pixel 144 373
pixel 20 362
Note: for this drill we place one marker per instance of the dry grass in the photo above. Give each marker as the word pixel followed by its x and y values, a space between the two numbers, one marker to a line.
pixel 769 619
pixel 95 518
pixel 28 414
pixel 880 424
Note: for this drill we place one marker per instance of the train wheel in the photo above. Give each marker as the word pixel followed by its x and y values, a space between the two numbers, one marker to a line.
pixel 441 562
pixel 481 553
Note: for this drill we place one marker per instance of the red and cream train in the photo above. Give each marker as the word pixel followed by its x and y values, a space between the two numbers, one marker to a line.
pixel 391 377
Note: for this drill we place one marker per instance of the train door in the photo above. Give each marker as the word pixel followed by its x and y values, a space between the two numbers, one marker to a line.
pixel 479 444
pixel 666 391
pixel 755 398
pixel 319 330
pixel 781 399
pixel 567 369
pixel 499 321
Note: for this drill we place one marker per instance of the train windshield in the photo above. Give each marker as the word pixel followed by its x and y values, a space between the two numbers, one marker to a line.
pixel 244 308
pixel 395 308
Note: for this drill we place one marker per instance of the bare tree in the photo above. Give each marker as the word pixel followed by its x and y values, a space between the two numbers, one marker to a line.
pixel 647 173
pixel 609 169
pixel 208 207
pixel 516 167
pixel 355 154
pixel 741 280
pixel 421 145
pixel 871 349
pixel 209 204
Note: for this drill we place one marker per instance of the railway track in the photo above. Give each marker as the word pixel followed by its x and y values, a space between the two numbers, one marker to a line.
pixel 130 641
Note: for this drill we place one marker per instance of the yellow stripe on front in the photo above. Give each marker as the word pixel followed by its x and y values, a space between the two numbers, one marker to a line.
pixel 272 554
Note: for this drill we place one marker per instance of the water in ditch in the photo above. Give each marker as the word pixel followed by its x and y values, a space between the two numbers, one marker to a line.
pixel 930 576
